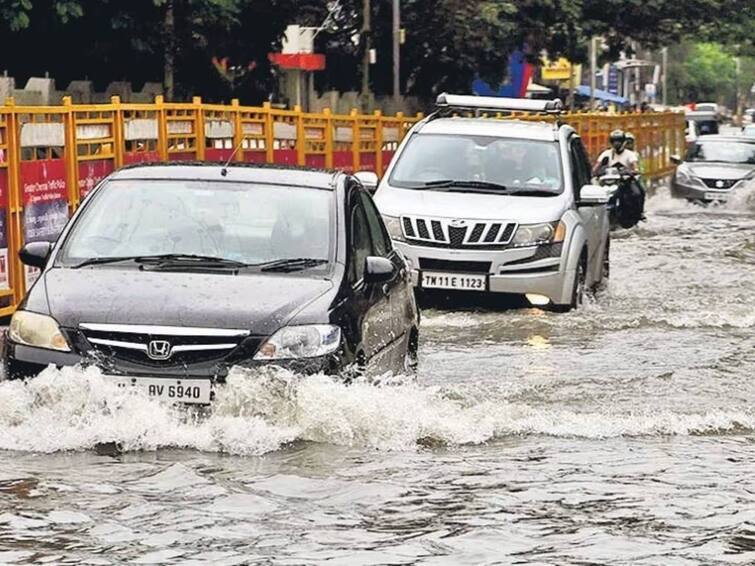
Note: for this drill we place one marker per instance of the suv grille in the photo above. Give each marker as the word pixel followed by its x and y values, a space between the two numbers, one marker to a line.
pixel 162 346
pixel 458 234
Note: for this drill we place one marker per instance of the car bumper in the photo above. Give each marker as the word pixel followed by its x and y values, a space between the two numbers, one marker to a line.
pixel 697 192
pixel 22 362
pixel 517 271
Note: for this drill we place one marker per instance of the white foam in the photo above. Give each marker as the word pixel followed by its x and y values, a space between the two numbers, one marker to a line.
pixel 259 412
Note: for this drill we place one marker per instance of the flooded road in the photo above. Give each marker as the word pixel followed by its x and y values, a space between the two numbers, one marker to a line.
pixel 623 433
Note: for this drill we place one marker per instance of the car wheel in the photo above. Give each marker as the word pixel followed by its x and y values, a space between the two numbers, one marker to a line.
pixel 606 273
pixel 411 358
pixel 578 288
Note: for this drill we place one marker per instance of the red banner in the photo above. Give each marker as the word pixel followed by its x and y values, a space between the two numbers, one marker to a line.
pixel 141 157
pixel 4 278
pixel 91 173
pixel 343 160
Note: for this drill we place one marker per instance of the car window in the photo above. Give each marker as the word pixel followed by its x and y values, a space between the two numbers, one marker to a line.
pixel 723 151
pixel 361 244
pixel 580 175
pixel 514 163
pixel 243 222
pixel 583 160
pixel 381 243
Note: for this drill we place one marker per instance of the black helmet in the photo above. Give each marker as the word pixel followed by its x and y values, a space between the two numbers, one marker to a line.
pixel 630 140
pixel 618 138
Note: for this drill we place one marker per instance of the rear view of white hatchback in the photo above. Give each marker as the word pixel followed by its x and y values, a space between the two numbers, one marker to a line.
pixel 500 206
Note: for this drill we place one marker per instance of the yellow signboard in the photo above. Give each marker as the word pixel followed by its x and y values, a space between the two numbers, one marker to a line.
pixel 556 70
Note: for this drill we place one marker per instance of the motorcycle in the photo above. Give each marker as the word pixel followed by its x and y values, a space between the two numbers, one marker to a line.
pixel 627 203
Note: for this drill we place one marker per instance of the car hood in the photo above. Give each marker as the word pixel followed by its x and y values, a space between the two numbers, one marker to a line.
pixel 720 170
pixel 260 303
pixel 521 209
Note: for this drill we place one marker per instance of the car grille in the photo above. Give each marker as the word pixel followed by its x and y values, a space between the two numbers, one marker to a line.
pixel 724 183
pixel 457 234
pixel 162 346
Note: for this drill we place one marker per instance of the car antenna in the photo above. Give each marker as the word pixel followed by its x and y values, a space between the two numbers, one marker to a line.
pixel 224 170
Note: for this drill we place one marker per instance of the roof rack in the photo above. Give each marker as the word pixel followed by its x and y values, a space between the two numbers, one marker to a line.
pixel 493 103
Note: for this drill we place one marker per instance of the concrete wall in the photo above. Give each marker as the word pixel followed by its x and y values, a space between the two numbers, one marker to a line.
pixel 343 102
pixel 43 91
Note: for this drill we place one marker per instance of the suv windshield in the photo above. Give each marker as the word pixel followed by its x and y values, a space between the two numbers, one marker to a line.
pixel 235 223
pixel 435 161
pixel 723 151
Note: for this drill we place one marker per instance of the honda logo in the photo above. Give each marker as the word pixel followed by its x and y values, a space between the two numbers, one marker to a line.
pixel 457 223
pixel 159 350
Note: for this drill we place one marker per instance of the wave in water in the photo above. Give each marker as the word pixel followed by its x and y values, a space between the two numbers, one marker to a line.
pixel 259 412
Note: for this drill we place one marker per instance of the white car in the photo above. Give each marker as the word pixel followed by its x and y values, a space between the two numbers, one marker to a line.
pixel 499 206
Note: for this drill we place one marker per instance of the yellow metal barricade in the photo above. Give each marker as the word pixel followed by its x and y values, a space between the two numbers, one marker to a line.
pixel 51 157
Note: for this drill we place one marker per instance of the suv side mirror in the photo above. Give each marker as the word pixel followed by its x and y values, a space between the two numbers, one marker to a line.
pixel 676 159
pixel 593 195
pixel 35 254
pixel 378 270
pixel 368 179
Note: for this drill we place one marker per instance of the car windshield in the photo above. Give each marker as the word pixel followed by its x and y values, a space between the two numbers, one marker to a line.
pixel 512 165
pixel 238 222
pixel 723 151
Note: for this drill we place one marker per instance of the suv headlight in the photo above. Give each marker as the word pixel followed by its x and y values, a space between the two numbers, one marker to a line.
pixel 536 234
pixel 395 231
pixel 306 341
pixel 37 330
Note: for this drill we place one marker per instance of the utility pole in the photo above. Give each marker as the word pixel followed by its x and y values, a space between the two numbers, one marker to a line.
pixel 664 55
pixel 170 51
pixel 396 49
pixel 738 105
pixel 366 60
pixel 593 70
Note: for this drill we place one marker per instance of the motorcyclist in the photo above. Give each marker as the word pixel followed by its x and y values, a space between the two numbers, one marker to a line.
pixel 630 145
pixel 617 154
pixel 628 203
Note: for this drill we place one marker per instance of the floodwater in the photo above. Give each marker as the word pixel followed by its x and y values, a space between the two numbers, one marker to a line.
pixel 623 433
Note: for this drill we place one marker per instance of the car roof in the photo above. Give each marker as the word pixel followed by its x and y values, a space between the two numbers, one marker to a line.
pixel 238 172
pixel 521 129
pixel 725 138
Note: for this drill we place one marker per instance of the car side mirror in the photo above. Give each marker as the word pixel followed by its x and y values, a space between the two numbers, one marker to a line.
pixel 368 179
pixel 35 254
pixel 594 195
pixel 378 270
pixel 676 159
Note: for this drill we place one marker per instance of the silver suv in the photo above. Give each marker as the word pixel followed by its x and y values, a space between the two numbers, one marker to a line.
pixel 500 206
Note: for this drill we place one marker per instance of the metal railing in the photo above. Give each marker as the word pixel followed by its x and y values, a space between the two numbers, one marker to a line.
pixel 52 156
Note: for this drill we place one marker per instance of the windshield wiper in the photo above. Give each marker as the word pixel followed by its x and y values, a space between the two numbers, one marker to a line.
pixel 442 183
pixel 291 264
pixel 468 186
pixel 532 193
pixel 102 260
pixel 163 260
pixel 166 260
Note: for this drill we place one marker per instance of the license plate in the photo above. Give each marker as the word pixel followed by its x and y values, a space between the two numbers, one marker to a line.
pixel 715 196
pixel 459 281
pixel 195 391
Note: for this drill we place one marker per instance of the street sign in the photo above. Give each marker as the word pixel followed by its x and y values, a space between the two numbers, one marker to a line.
pixel 555 70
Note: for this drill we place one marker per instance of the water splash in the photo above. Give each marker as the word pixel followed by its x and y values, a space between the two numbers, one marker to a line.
pixel 262 411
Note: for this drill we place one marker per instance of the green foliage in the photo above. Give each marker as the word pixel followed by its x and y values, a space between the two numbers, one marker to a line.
pixel 448 42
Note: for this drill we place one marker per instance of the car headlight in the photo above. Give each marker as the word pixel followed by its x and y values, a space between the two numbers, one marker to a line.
pixel 38 330
pixel 683 176
pixel 306 341
pixel 393 225
pixel 535 234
